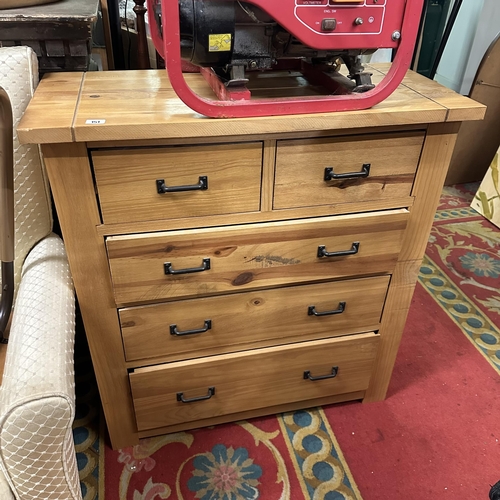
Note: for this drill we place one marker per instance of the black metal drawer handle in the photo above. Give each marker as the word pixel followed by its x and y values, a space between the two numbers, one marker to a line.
pixel 323 253
pixel 331 176
pixel 180 396
pixel 335 370
pixel 205 267
pixel 174 331
pixel 312 311
pixel 163 188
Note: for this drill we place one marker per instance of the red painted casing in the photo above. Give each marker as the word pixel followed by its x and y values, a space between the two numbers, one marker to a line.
pixel 303 19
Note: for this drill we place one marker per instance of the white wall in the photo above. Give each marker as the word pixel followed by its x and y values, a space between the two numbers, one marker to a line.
pixel 455 60
pixel 488 30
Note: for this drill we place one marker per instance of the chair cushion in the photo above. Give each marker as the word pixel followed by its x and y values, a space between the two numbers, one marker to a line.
pixel 33 218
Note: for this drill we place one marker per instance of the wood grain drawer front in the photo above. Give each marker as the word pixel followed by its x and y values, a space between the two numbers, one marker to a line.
pixel 300 169
pixel 249 380
pixel 214 325
pixel 128 188
pixel 191 263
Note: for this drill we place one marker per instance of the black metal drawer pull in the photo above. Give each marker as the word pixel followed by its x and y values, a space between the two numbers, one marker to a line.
pixel 323 253
pixel 312 310
pixel 331 176
pixel 168 268
pixel 174 331
pixel 335 370
pixel 163 188
pixel 180 396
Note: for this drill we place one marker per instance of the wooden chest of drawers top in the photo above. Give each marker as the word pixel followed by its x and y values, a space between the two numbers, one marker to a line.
pixel 119 106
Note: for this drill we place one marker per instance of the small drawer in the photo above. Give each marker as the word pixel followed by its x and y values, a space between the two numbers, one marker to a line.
pixel 192 263
pixel 314 172
pixel 221 385
pixel 197 180
pixel 202 327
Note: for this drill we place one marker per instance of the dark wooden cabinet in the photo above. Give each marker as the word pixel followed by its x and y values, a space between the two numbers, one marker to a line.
pixel 60 33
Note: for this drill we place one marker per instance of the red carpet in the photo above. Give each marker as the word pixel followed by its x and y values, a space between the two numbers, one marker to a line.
pixel 435 436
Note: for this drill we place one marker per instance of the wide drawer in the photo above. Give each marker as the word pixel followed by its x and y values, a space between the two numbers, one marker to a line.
pixel 171 394
pixel 190 263
pixel 215 325
pixel 128 181
pixel 390 160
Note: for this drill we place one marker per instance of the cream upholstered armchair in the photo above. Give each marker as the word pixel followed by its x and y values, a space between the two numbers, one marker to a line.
pixel 37 395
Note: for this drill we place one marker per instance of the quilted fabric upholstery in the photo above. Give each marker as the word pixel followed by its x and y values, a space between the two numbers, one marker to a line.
pixel 19 77
pixel 37 394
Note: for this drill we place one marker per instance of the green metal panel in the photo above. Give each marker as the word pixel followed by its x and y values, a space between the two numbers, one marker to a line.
pixel 436 13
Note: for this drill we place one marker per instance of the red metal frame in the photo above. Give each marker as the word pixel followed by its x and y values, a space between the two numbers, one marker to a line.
pixel 407 25
pixel 221 91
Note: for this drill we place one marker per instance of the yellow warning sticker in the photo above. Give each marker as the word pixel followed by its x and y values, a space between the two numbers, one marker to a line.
pixel 219 43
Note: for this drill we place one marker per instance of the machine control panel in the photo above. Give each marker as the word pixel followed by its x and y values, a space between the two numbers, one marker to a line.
pixel 342 17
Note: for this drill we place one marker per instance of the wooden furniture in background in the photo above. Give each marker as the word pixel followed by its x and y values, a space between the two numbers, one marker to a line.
pixel 142 41
pixel 479 141
pixel 107 34
pixel 271 289
pixel 143 56
pixel 12 4
pixel 60 33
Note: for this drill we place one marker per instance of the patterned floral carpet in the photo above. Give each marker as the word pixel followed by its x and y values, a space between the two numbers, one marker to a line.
pixel 294 456
pixel 461 269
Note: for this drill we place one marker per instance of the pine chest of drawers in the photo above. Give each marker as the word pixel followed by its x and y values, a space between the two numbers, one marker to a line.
pixel 232 268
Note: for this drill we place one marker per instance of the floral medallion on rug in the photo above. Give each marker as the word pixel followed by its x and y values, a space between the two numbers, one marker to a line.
pixel 280 457
pixel 295 456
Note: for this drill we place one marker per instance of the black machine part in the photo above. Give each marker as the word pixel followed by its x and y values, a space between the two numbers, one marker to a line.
pixel 255 41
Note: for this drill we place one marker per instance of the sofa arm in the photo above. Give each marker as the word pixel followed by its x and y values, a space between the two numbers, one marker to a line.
pixel 37 396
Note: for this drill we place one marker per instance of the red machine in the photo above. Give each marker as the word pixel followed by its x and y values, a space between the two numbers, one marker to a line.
pixel 230 41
